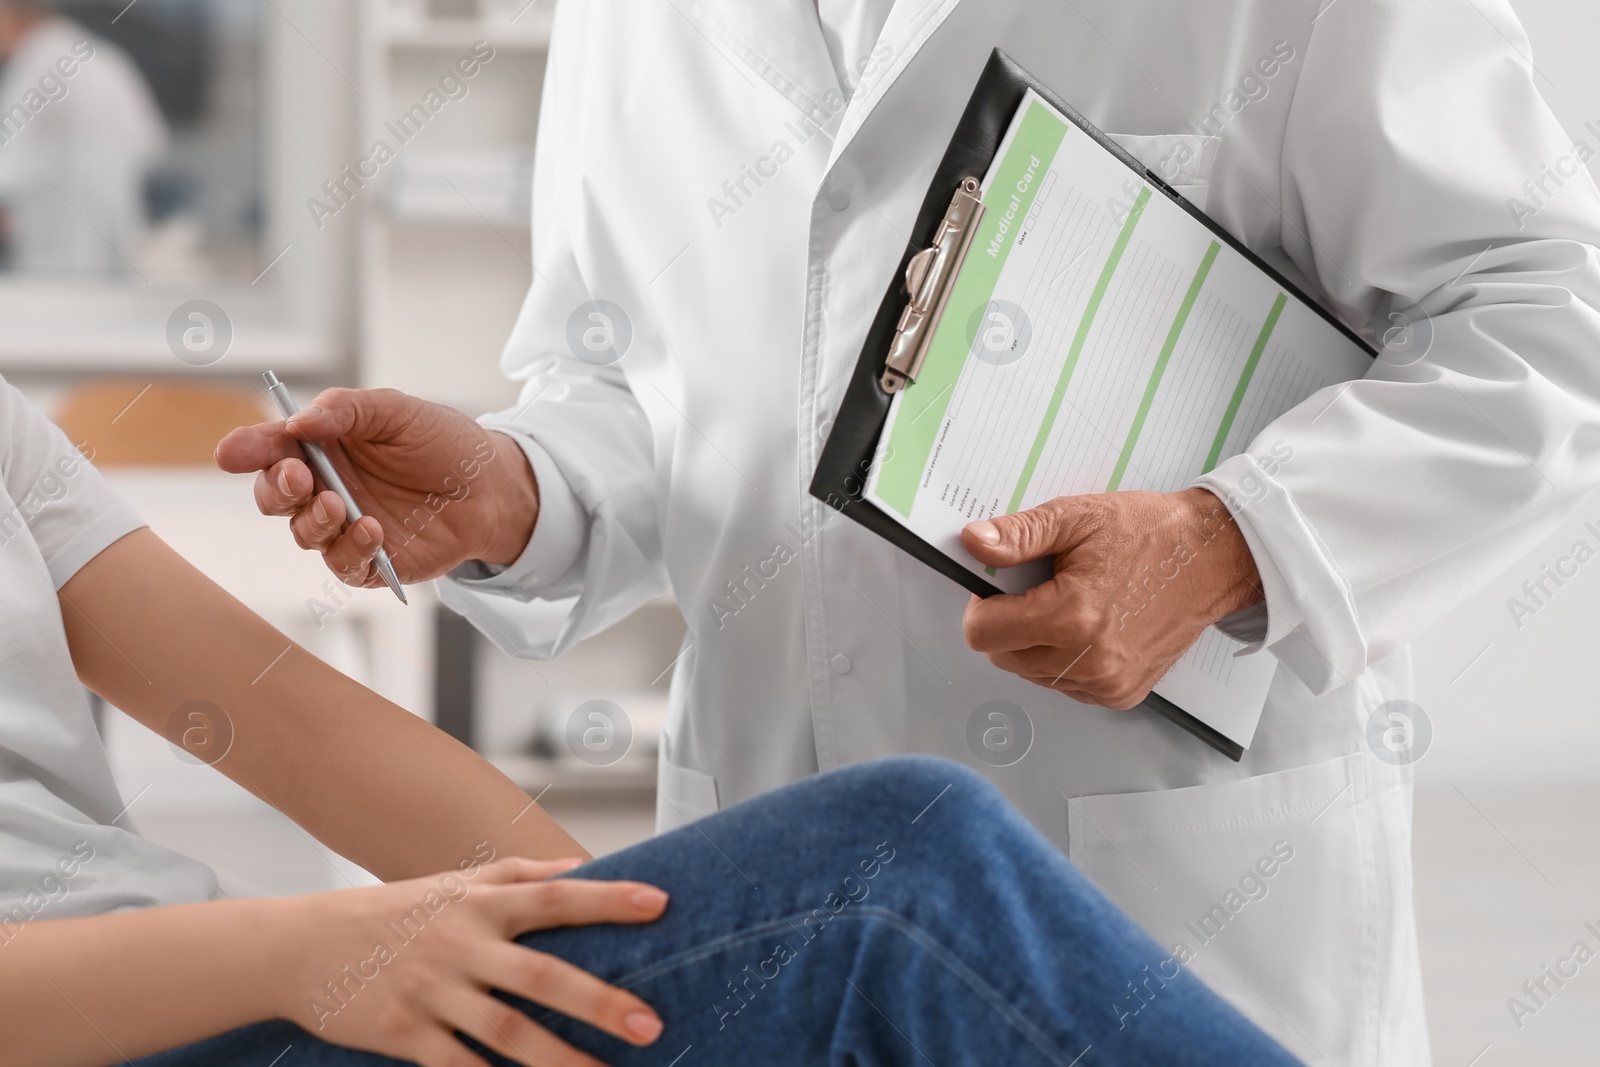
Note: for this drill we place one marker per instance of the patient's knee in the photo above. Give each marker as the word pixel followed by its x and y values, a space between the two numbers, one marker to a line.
pixel 911 790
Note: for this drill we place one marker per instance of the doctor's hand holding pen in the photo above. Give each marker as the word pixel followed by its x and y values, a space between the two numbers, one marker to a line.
pixel 1138 578
pixel 436 488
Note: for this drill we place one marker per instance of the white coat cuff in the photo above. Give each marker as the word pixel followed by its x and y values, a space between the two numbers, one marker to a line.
pixel 1307 619
pixel 558 535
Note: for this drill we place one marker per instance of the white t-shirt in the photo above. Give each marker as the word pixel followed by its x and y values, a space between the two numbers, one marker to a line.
pixel 64 851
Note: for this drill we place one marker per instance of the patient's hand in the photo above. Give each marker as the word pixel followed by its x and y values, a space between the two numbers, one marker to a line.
pixel 436 488
pixel 412 962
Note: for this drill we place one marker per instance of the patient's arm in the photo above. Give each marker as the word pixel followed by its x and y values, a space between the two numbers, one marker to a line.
pixel 373 782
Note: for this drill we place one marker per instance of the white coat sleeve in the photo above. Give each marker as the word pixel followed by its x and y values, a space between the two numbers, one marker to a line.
pixel 595 554
pixel 1422 169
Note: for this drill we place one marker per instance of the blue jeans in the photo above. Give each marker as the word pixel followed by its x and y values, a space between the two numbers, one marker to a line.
pixel 898 912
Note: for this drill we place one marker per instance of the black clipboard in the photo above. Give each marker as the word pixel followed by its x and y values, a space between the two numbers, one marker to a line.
pixel 847 455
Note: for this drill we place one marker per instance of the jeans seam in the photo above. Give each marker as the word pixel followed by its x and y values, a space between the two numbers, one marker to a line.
pixel 958 967
pixel 892 919
pixel 680 959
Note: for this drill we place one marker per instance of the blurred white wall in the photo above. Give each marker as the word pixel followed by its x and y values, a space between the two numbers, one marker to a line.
pixel 1510 703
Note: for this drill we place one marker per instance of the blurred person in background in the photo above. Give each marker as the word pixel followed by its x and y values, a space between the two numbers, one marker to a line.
pixel 79 132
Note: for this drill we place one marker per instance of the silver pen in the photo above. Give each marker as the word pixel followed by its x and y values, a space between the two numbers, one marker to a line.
pixel 330 477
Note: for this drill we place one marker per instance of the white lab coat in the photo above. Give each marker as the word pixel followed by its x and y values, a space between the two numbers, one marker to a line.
pixel 1377 160
pixel 73 173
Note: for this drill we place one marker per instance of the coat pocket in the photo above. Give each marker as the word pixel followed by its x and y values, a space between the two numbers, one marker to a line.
pixel 683 795
pixel 1264 888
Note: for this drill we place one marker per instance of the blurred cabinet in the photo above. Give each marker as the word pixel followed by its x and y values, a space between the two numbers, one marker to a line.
pixel 447 131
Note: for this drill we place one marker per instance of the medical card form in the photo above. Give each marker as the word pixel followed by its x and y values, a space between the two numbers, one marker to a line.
pixel 1098 337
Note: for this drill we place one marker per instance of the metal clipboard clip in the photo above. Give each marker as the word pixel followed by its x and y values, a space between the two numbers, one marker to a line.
pixel 930 276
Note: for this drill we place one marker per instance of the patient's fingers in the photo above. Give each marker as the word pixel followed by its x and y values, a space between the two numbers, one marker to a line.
pixel 284 488
pixel 521 869
pixel 503 1028
pixel 570 990
pixel 578 902
pixel 438 1048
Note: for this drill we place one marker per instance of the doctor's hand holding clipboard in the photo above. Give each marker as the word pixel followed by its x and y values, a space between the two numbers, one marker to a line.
pixel 1080 633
